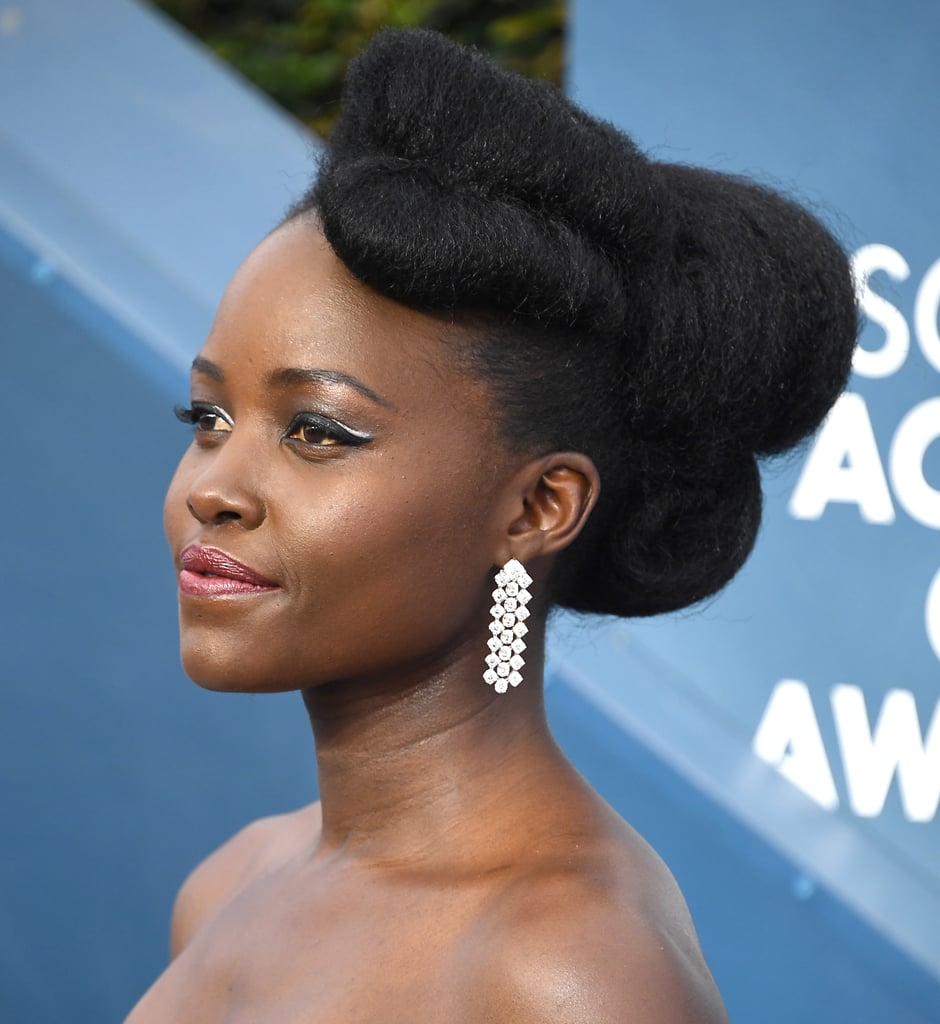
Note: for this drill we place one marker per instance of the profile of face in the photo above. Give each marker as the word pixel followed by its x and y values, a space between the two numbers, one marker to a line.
pixel 343 458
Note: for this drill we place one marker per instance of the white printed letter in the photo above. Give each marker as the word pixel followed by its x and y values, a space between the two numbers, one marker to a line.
pixel 871 758
pixel 789 740
pixel 915 434
pixel 926 310
pixel 932 614
pixel 890 357
pixel 844 465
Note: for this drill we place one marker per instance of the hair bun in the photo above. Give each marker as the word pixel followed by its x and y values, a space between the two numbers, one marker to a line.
pixel 673 323
pixel 756 302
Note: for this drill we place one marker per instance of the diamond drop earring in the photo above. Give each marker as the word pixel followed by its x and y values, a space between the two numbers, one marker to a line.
pixel 509 611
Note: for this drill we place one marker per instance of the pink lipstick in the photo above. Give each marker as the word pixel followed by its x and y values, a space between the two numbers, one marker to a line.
pixel 209 572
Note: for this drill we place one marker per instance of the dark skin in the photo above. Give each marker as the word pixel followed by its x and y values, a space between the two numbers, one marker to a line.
pixel 458 870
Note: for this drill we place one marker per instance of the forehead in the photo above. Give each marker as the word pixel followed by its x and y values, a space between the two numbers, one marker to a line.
pixel 293 303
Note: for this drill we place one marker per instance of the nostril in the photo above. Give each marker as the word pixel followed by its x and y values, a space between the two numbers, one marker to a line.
pixel 210 515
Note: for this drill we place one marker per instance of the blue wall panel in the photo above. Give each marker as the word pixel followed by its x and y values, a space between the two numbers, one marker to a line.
pixel 118 773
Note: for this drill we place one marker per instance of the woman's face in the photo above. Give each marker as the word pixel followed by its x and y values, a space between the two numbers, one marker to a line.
pixel 342 457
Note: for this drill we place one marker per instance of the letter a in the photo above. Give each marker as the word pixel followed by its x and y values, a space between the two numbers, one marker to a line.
pixel 844 465
pixel 788 739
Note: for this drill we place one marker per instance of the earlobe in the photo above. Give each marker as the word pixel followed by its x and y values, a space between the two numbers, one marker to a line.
pixel 560 490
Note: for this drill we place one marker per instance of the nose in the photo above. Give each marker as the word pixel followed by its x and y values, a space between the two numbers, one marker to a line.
pixel 226 488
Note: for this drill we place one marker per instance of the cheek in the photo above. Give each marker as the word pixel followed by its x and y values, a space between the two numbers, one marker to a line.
pixel 403 561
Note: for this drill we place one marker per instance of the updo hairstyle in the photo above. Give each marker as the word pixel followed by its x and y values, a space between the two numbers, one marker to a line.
pixel 671 322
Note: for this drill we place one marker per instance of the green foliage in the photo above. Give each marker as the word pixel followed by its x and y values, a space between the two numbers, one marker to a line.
pixel 297 50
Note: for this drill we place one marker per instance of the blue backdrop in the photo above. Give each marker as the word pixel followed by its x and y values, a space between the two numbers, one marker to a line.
pixel 135 172
pixel 823 654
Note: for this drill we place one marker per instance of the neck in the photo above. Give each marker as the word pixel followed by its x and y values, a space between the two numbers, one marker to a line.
pixel 406 771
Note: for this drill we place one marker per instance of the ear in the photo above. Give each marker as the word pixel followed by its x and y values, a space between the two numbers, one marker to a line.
pixel 552 498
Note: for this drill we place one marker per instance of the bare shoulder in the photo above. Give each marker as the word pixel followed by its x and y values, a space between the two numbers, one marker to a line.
pixel 250 853
pixel 604 939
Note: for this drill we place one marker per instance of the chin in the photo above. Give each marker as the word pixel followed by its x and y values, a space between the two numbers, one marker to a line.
pixel 222 670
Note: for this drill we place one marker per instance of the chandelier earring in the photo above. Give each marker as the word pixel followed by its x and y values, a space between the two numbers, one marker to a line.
pixel 510 610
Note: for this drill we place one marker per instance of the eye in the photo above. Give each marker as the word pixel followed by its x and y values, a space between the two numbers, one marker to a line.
pixel 322 432
pixel 313 433
pixel 205 418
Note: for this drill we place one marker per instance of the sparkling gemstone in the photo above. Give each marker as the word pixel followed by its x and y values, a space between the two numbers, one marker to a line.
pixel 523 597
pixel 506 638
pixel 496 627
pixel 499 595
pixel 502 669
pixel 516 661
pixel 509 619
pixel 520 613
pixel 493 659
pixel 504 653
pixel 494 643
pixel 512 588
pixel 489 676
pixel 501 686
pixel 520 629
pixel 518 646
pixel 523 579
pixel 514 678
pixel 510 604
pixel 497 611
pixel 501 578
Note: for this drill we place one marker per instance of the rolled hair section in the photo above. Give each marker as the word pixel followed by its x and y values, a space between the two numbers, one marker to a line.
pixel 453 248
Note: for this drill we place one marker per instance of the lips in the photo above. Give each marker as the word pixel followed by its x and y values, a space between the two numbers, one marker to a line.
pixel 209 572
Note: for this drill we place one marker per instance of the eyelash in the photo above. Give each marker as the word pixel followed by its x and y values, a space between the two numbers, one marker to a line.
pixel 336 433
pixel 198 411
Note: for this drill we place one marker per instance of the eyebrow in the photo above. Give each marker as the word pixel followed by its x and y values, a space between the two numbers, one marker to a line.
pixel 291 375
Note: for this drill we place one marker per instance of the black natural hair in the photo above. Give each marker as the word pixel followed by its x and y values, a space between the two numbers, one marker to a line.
pixel 671 322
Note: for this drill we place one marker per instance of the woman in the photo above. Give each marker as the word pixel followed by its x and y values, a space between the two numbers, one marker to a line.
pixel 494 362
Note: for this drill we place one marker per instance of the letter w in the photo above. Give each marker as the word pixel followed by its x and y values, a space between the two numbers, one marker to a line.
pixel 871 758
